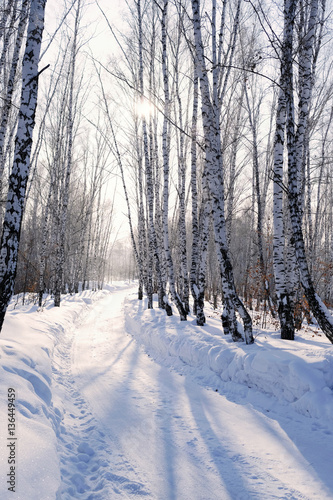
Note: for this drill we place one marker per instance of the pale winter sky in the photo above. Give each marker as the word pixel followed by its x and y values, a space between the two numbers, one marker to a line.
pixel 103 47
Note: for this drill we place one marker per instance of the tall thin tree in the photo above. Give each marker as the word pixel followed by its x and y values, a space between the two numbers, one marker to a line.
pixel 20 171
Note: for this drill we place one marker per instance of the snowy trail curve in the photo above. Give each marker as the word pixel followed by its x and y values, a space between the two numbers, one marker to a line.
pixel 134 428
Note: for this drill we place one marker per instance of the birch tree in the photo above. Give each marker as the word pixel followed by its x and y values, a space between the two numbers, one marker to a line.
pixel 165 153
pixel 295 143
pixel 10 87
pixel 68 160
pixel 213 175
pixel 283 283
pixel 194 197
pixel 153 253
pixel 181 119
pixel 20 170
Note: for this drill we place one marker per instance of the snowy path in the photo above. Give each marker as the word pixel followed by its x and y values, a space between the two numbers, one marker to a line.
pixel 134 428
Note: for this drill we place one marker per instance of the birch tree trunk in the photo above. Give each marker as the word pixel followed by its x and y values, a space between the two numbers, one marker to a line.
pixel 204 223
pixel 142 251
pixel 20 171
pixel 322 186
pixel 284 301
pixel 233 162
pixel 45 234
pixel 9 15
pixel 68 167
pixel 194 195
pixel 148 171
pixel 5 111
pixel 295 154
pixel 213 175
pixel 259 190
pixel 182 238
pixel 165 152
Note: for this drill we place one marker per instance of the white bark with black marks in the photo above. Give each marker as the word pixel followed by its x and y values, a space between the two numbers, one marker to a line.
pixel 295 157
pixel 213 175
pixel 282 286
pixel 68 164
pixel 166 168
pixel 11 85
pixel 20 171
pixel 194 196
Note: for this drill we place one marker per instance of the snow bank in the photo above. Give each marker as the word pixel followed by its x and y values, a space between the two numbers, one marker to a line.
pixel 297 373
pixel 28 341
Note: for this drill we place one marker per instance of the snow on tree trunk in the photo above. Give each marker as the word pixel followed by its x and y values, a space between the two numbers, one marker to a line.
pixel 21 164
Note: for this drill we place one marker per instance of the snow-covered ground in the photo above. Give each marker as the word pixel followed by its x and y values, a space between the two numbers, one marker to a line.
pixel 115 401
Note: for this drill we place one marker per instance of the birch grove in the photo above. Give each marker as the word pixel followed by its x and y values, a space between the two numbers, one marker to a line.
pixel 209 142
pixel 37 233
pixel 217 119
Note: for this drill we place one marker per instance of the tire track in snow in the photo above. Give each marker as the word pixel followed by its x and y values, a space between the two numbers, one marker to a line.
pixel 90 467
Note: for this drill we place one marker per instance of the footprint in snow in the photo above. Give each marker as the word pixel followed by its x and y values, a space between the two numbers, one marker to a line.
pixel 85 457
pixel 85 448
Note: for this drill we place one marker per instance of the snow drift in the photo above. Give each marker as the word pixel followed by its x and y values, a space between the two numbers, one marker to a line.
pixel 28 364
pixel 298 373
pixel 34 344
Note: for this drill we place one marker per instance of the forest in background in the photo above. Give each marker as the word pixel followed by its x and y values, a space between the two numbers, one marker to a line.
pixel 216 118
